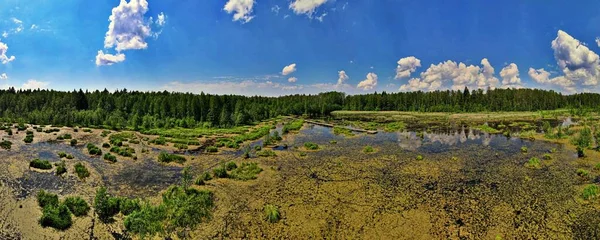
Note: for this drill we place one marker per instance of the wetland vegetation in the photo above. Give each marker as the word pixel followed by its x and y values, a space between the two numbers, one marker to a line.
pixel 183 166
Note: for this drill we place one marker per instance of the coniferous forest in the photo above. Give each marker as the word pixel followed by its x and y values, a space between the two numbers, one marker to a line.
pixel 147 110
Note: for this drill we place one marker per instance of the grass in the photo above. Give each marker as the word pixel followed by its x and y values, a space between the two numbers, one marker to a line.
pixel 486 128
pixel 342 131
pixel 246 171
pixel 311 146
pixel 266 153
pixel 293 125
pixel 203 178
pixel 597 167
pixel 272 214
pixel 5 144
pixel 181 146
pixel 590 192
pixel 394 127
pixel 61 168
pixel 368 149
pixel 169 157
pixel 419 157
pixel 220 172
pixel 547 156
pixel 40 164
pixel 77 206
pixel 81 171
pixel 585 174
pixel 533 163
pixel 187 133
pixel 123 151
pixel 230 166
pixel 212 149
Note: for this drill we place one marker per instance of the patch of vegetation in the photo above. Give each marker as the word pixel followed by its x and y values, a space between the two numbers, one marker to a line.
pixel 486 128
pixel 311 146
pixel 46 199
pixel 332 142
pixel 105 145
pixel 230 166
pixel 533 163
pixel 73 142
pixel 220 172
pixel 590 192
pixel 93 149
pixel 5 144
pixel 61 168
pixel 69 156
pixel 128 206
pixel 87 130
pixel 40 164
pixel 272 213
pixel 394 127
pixel 293 125
pixel 158 141
pixel 105 133
pixel 368 149
pixel 302 154
pixel 585 174
pixel 9 132
pixel 203 178
pixel 266 153
pixel 81 171
pixel 169 157
pixel 66 136
pixel 419 157
pixel 524 149
pixel 212 149
pixel 109 157
pixel 342 131
pixel 77 206
pixel 62 154
pixel 597 167
pixel 582 141
pixel 181 146
pixel 105 205
pixel 246 171
pixel 123 151
pixel 56 216
pixel 547 156
pixel 28 138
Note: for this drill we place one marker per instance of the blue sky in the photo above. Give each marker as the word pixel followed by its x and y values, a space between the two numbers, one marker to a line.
pixel 242 46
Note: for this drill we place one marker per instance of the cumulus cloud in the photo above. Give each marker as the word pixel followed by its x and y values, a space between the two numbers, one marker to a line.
pixel 342 77
pixel 128 27
pixel 3 57
pixel 510 76
pixel 288 69
pixel 577 61
pixel 542 76
pixel 242 9
pixel 108 59
pixel 453 75
pixel 3 76
pixel 369 83
pixel 292 79
pixel 161 19
pixel 307 7
pixel 406 66
pixel 34 84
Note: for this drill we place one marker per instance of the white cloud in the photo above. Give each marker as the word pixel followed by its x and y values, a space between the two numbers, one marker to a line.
pixel 108 59
pixel 406 66
pixel 16 21
pixel 292 79
pixel 242 9
pixel 342 77
pixel 542 76
pixel 128 28
pixel 3 57
pixel 288 69
pixel 4 34
pixel 275 9
pixel 3 76
pixel 306 6
pixel 320 18
pixel 33 26
pixel 161 19
pixel 34 84
pixel 369 83
pixel 577 61
pixel 453 75
pixel 510 76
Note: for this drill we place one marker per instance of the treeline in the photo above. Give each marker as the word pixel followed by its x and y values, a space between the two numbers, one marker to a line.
pixel 148 110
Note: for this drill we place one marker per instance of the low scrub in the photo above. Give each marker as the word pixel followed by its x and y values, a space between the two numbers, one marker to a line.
pixel 220 172
pixel 585 174
pixel 266 153
pixel 73 142
pixel 46 199
pixel 61 168
pixel 6 144
pixel 81 171
pixel 394 127
pixel 77 206
pixel 203 178
pixel 246 171
pixel 62 154
pixel 533 163
pixel 212 149
pixel 230 166
pixel 28 138
pixel 40 164
pixel 56 216
pixel 272 214
pixel 109 157
pixel 590 192
pixel 311 146
pixel 524 149
pixel 368 149
pixel 168 157
pixel 93 149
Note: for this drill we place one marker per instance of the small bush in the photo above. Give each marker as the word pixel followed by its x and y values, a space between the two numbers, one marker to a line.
pixel 46 199
pixel 28 139
pixel 246 171
pixel 67 136
pixel 524 149
pixel 220 172
pixel 368 149
pixel 62 154
pixel 266 153
pixel 168 157
pixel 419 157
pixel 180 146
pixel 159 141
pixel 5 144
pixel 105 145
pixel 61 168
pixel 332 142
pixel 93 149
pixel 212 149
pixel 81 171
pixel 9 131
pixel 272 213
pixel 590 192
pixel 583 173
pixel 201 180
pixel 533 163
pixel 257 148
pixel 77 206
pixel 303 154
pixel 40 164
pixel 87 130
pixel 597 167
pixel 69 156
pixel 109 157
pixel 105 205
pixel 58 217
pixel 311 146
pixel 73 142
pixel 547 156
pixel 230 166
pixel 104 133
pixel 127 206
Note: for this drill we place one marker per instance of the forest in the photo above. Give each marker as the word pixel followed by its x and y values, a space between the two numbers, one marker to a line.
pixel 147 110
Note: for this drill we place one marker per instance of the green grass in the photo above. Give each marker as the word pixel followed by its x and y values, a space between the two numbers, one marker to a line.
pixel 547 156
pixel 180 146
pixel 293 125
pixel 77 206
pixel 590 192
pixel 597 167
pixel 212 149
pixel 311 146
pixel 220 172
pixel 187 133
pixel 394 127
pixel 230 166
pixel 266 153
pixel 40 164
pixel 524 149
pixel 585 174
pixel 368 149
pixel 272 214
pixel 81 171
pixel 203 178
pixel 169 157
pixel 486 128
pixel 533 163
pixel 246 171
pixel 342 131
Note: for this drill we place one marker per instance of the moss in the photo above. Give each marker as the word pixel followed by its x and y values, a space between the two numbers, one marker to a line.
pixel 272 214
pixel 40 164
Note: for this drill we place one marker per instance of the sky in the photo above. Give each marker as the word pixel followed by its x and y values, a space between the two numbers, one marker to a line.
pixel 281 47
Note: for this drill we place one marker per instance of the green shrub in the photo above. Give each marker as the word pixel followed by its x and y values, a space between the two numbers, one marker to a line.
pixel 168 157
pixel 583 173
pixel 368 149
pixel 104 133
pixel 524 149
pixel 81 171
pixel 246 171
pixel 220 172
pixel 87 130
pixel 127 206
pixel 105 145
pixel 342 131
pixel 69 156
pixel 5 144
pixel 294 125
pixel 597 167
pixel 61 168
pixel 394 127
pixel 73 142
pixel 93 149
pixel 266 153
pixel 46 199
pixel 181 146
pixel 547 156
pixel 40 164
pixel 9 131
pixel 62 154
pixel 77 206
pixel 105 205
pixel 272 213
pixel 533 163
pixel 311 146
pixel 419 157
pixel 332 142
pixel 56 216
pixel 212 149
pixel 109 157
pixel 159 141
pixel 590 192
pixel 67 136
pixel 28 139
pixel 230 166
pixel 257 148
pixel 201 180
pixel 582 141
